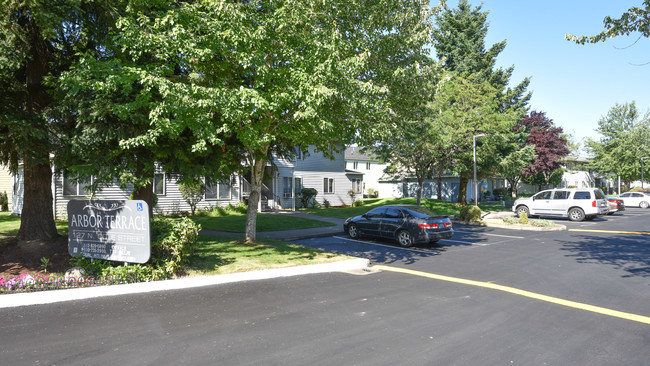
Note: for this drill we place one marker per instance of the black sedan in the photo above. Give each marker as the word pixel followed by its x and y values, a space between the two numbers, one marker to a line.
pixel 408 224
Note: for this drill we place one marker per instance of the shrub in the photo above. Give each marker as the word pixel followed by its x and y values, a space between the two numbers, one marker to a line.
pixel 306 196
pixel 240 207
pixel 523 218
pixel 326 203
pixel 192 191
pixel 173 242
pixel 510 220
pixel 4 202
pixel 542 223
pixel 373 193
pixel 470 213
pixel 357 203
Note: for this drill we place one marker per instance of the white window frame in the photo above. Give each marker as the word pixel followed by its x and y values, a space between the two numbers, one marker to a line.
pixel 368 166
pixel 355 165
pixel 356 185
pixel 78 186
pixel 219 185
pixel 287 186
pixel 328 186
pixel 164 184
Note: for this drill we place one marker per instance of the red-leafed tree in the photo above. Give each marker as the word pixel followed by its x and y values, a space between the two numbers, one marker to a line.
pixel 550 148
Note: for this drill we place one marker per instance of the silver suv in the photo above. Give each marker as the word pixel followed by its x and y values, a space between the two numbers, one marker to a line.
pixel 575 203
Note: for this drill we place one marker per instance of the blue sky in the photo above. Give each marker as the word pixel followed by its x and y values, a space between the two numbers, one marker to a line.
pixel 575 85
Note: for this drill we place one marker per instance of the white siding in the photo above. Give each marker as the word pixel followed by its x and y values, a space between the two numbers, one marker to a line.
pixel 7 184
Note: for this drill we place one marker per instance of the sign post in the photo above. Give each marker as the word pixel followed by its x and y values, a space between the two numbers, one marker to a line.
pixel 115 230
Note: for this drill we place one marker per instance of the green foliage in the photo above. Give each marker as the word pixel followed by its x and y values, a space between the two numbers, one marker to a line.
pixel 470 213
pixel 624 133
pixel 372 193
pixel 306 196
pixel 173 242
pixel 192 191
pixel 326 203
pixel 636 19
pixel 357 203
pixel 523 218
pixel 4 202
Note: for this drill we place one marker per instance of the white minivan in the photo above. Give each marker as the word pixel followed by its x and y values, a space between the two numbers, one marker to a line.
pixel 575 203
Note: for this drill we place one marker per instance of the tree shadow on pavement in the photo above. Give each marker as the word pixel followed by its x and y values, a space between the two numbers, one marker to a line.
pixel 630 253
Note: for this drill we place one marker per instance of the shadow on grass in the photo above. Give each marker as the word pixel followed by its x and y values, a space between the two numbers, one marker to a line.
pixel 219 254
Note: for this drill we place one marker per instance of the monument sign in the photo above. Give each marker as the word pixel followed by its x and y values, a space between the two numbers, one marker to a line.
pixel 115 230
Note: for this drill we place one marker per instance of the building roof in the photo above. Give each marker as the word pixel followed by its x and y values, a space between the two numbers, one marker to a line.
pixel 357 153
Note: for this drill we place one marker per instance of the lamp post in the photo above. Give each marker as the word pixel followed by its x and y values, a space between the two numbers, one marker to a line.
pixel 645 157
pixel 475 182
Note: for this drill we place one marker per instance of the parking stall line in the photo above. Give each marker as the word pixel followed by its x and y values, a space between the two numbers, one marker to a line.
pixel 516 291
pixel 488 234
pixel 611 231
pixel 388 246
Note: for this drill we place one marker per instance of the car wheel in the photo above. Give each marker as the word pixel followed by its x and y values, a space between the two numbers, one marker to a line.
pixel 404 239
pixel 523 209
pixel 644 204
pixel 576 214
pixel 353 231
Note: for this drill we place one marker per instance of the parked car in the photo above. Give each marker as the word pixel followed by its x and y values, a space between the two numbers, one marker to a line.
pixel 615 205
pixel 408 224
pixel 575 203
pixel 635 199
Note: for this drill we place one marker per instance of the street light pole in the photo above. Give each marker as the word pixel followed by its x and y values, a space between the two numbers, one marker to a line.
pixel 645 157
pixel 475 182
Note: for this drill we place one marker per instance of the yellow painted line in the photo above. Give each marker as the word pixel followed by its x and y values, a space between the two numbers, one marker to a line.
pixel 512 290
pixel 611 231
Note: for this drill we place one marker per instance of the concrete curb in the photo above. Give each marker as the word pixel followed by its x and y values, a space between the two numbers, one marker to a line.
pixel 54 296
pixel 557 227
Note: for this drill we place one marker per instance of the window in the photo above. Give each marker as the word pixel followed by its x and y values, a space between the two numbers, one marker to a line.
pixel 298 185
pixel 356 185
pixel 561 195
pixel 76 187
pixel 220 190
pixel 393 213
pixel 376 213
pixel 286 187
pixel 546 195
pixel 159 183
pixel 328 185
pixel 582 195
pixel 355 165
pixel 368 166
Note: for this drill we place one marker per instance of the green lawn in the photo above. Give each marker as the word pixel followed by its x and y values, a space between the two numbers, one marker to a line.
pixel 236 223
pixel 438 206
pixel 222 254
pixel 9 225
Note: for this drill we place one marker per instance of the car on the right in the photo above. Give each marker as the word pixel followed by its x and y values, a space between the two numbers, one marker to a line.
pixel 615 205
pixel 575 203
pixel 635 199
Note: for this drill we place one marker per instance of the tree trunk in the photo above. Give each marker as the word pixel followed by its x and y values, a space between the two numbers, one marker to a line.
pixel 462 190
pixel 257 175
pixel 37 216
pixel 419 192
pixel 145 194
pixel 439 184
